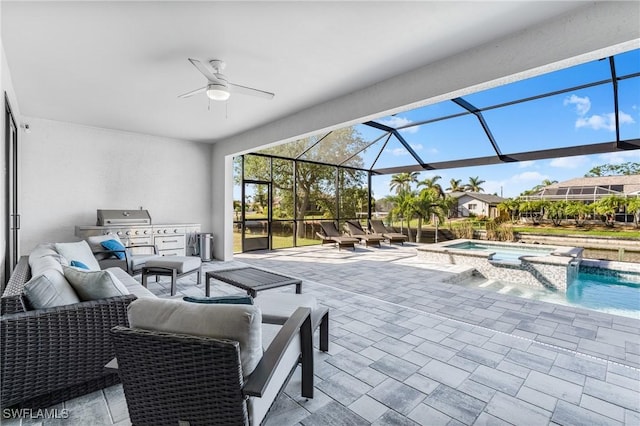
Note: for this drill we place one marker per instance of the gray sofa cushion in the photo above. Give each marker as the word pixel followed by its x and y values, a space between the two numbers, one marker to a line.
pixel 78 251
pixel 50 289
pixel 130 283
pixel 94 285
pixel 43 258
pixel 180 263
pixel 241 323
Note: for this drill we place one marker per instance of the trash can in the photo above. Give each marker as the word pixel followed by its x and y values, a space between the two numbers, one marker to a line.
pixel 205 245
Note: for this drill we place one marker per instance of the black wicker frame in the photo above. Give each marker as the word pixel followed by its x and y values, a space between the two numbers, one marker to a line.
pixel 55 354
pixel 173 378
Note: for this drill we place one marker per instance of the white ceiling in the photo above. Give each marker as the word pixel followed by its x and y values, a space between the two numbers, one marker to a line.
pixel 120 65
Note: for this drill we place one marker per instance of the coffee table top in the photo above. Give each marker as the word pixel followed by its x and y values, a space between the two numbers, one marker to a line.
pixel 249 278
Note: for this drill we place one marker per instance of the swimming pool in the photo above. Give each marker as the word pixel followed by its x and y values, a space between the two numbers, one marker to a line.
pixel 538 266
pixel 614 291
pixel 604 292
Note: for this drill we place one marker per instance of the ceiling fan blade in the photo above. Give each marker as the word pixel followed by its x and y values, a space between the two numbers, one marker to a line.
pixel 204 69
pixel 194 92
pixel 236 88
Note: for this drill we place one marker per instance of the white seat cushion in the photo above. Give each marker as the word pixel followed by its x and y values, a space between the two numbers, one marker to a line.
pixel 282 305
pixel 180 263
pixel 258 407
pixel 241 323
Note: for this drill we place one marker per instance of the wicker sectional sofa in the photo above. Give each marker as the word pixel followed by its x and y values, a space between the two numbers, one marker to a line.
pixel 50 355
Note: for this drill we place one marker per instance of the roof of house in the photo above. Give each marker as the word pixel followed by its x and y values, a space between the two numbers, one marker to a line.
pixel 487 198
pixel 630 183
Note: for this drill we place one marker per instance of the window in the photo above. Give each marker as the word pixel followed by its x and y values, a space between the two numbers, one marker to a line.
pixel 472 206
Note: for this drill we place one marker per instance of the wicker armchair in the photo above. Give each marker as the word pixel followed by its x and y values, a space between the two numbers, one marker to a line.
pixel 54 354
pixel 171 379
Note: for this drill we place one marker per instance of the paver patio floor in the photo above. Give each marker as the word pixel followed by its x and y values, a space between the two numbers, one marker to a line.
pixel 407 347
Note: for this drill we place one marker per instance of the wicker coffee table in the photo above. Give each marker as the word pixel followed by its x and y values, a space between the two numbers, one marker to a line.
pixel 251 280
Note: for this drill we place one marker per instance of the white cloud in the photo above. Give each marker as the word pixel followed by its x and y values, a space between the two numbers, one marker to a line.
pixel 403 151
pixel 398 151
pixel 583 105
pixel 620 157
pixel 604 121
pixel 529 177
pixel 569 162
pixel 526 164
pixel 396 122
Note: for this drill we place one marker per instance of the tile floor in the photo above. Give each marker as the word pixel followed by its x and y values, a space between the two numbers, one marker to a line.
pixel 409 348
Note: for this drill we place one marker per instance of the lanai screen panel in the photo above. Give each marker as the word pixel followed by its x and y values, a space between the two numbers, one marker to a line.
pixel 581 117
pixel 566 112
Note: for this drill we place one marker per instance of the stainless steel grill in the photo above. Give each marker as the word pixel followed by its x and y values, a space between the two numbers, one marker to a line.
pixel 123 217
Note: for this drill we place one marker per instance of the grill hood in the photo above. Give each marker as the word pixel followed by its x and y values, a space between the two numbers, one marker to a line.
pixel 123 217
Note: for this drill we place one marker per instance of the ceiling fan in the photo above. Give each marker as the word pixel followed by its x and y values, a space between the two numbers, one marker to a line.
pixel 218 88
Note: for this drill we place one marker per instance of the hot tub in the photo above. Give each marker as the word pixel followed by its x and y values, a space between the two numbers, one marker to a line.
pixel 536 265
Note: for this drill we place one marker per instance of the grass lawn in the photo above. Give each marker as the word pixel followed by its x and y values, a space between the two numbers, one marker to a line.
pixel 276 242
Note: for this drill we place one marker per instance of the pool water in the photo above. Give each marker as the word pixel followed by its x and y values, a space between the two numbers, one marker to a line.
pixel 502 252
pixel 604 292
pixel 590 291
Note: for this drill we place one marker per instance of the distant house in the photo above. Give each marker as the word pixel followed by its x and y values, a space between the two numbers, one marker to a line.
pixel 590 189
pixel 476 204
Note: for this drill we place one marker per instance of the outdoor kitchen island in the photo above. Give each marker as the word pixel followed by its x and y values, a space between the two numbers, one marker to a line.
pixel 134 227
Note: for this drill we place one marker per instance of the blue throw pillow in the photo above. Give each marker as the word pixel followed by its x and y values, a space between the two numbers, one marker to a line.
pixel 78 264
pixel 114 245
pixel 229 300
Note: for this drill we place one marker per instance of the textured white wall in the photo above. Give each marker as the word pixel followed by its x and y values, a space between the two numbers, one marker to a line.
pixel 70 171
pixel 598 29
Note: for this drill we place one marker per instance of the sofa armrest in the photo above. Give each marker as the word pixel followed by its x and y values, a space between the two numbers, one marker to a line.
pixel 299 322
pixel 49 349
pixel 12 305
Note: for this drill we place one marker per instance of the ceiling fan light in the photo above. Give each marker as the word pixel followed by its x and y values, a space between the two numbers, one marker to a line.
pixel 218 92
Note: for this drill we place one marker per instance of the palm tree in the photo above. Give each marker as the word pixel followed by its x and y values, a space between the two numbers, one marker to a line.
pixel 401 182
pixel 425 205
pixel 474 184
pixel 579 211
pixel 431 184
pixel 510 206
pixel 540 186
pixel 455 185
pixel 633 207
pixel 403 207
pixel 607 207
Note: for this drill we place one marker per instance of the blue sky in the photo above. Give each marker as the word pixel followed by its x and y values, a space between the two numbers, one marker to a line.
pixel 579 117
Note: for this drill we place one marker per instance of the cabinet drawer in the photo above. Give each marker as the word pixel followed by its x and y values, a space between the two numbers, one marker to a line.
pixel 135 241
pixel 170 242
pixel 174 252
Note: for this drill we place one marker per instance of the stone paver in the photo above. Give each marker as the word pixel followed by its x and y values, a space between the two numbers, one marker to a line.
pixel 408 347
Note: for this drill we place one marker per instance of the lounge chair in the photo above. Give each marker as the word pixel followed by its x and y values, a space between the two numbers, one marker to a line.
pixel 356 231
pixel 393 237
pixel 331 235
